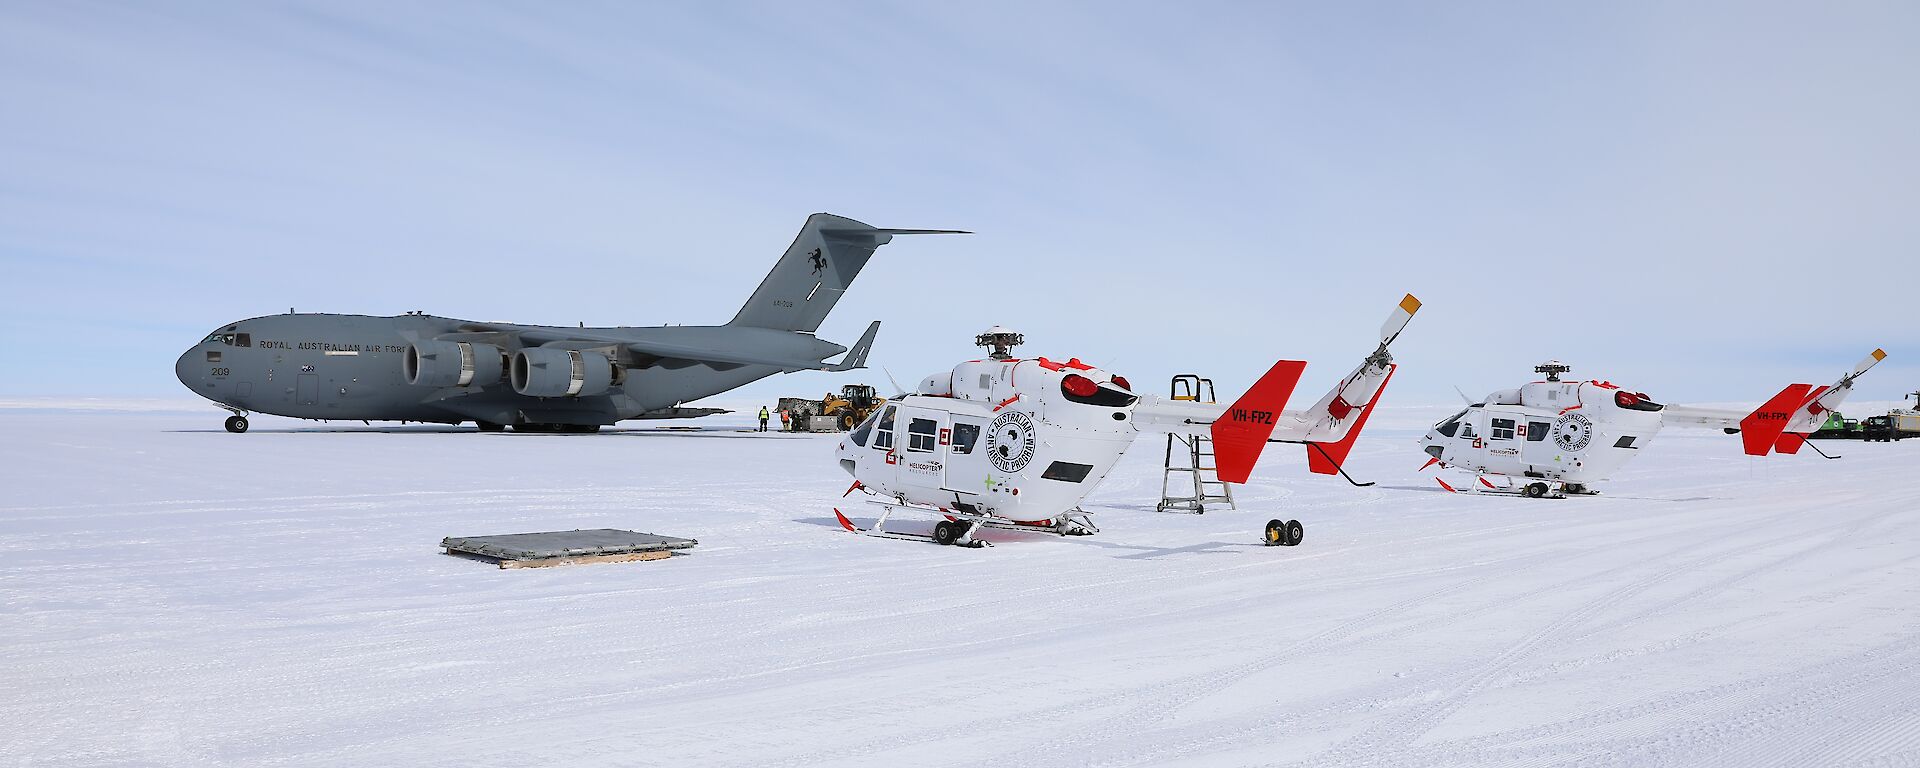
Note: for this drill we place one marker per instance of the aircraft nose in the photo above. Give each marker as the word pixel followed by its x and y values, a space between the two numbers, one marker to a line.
pixel 183 368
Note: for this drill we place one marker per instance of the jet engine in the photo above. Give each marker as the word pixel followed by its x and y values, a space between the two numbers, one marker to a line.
pixel 547 372
pixel 453 364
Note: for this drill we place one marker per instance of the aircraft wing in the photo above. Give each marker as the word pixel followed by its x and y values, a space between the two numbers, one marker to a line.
pixel 856 357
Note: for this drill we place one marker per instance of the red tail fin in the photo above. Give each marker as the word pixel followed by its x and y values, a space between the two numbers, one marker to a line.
pixel 1241 433
pixel 1761 429
pixel 1327 458
pixel 1790 442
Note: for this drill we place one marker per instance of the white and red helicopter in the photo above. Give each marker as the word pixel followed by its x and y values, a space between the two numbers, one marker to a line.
pixel 1017 443
pixel 1554 438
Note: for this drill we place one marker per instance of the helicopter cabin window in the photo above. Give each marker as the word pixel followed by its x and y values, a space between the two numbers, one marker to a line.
pixel 920 434
pixel 883 439
pixel 1451 425
pixel 1466 430
pixel 1502 429
pixel 1537 431
pixel 965 436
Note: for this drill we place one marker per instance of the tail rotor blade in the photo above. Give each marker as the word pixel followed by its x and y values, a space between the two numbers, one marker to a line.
pixel 1398 319
pixel 1867 363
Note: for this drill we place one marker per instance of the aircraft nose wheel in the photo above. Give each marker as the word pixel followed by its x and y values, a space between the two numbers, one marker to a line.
pixel 236 424
pixel 1285 533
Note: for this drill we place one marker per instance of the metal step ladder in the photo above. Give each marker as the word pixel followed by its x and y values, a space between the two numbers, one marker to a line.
pixel 1198 472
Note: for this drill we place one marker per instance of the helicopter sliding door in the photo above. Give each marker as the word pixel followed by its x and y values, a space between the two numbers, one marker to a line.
pixel 921 456
pixel 966 455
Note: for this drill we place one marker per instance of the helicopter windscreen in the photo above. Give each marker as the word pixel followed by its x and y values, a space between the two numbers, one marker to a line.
pixel 862 432
pixel 1451 425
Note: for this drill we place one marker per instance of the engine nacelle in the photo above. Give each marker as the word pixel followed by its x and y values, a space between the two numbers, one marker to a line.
pixel 453 364
pixel 547 372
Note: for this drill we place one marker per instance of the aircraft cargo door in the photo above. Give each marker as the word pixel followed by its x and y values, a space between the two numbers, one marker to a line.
pixel 308 389
pixel 967 456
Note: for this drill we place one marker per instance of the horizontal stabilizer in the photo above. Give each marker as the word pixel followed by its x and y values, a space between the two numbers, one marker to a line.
pixel 857 356
pixel 1241 432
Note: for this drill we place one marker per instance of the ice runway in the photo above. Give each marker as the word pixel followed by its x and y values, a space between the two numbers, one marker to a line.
pixel 175 595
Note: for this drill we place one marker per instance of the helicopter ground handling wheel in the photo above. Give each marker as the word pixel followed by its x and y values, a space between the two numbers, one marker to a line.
pixel 1535 490
pixel 1285 533
pixel 953 532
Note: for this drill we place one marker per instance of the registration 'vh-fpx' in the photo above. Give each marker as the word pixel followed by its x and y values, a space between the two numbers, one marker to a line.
pixel 1017 443
pixel 419 367
pixel 1555 438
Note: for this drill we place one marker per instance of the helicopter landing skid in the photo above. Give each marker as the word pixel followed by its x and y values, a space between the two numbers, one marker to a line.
pixel 956 529
pixel 1073 523
pixel 1532 489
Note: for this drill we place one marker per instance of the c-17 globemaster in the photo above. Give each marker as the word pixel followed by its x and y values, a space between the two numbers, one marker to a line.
pixel 418 367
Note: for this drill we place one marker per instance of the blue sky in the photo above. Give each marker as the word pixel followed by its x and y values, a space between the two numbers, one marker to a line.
pixel 1705 201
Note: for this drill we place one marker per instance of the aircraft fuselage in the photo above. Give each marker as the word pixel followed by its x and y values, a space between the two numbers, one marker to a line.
pixel 329 366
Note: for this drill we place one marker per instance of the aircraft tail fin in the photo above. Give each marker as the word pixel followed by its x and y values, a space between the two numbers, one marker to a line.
pixel 1326 458
pixel 808 279
pixel 1762 428
pixel 1784 421
pixel 1240 434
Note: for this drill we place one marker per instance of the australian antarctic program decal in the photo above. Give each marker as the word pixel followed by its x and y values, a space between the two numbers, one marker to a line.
pixel 1010 444
pixel 1573 432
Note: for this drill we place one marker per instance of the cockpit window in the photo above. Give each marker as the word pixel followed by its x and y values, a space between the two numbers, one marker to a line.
pixel 1449 426
pixel 884 440
pixel 243 339
pixel 860 433
pixel 218 337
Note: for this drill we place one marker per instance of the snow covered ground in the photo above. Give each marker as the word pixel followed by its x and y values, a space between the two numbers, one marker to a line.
pixel 171 594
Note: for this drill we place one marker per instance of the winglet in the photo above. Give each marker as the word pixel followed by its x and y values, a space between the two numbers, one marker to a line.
pixel 857 357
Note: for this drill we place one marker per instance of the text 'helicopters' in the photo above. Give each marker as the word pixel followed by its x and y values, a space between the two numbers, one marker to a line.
pixel 418 367
pixel 1010 442
pixel 1553 437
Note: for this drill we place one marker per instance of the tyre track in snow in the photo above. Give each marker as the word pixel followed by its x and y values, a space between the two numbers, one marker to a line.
pixel 1378 743
pixel 1182 741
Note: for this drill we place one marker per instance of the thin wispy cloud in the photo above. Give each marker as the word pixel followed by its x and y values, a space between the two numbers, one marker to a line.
pixel 1707 202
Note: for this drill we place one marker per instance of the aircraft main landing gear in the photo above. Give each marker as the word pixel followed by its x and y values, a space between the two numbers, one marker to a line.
pixel 1285 533
pixel 490 426
pixel 236 424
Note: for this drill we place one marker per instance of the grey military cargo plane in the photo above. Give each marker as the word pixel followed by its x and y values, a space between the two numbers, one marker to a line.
pixel 418 367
